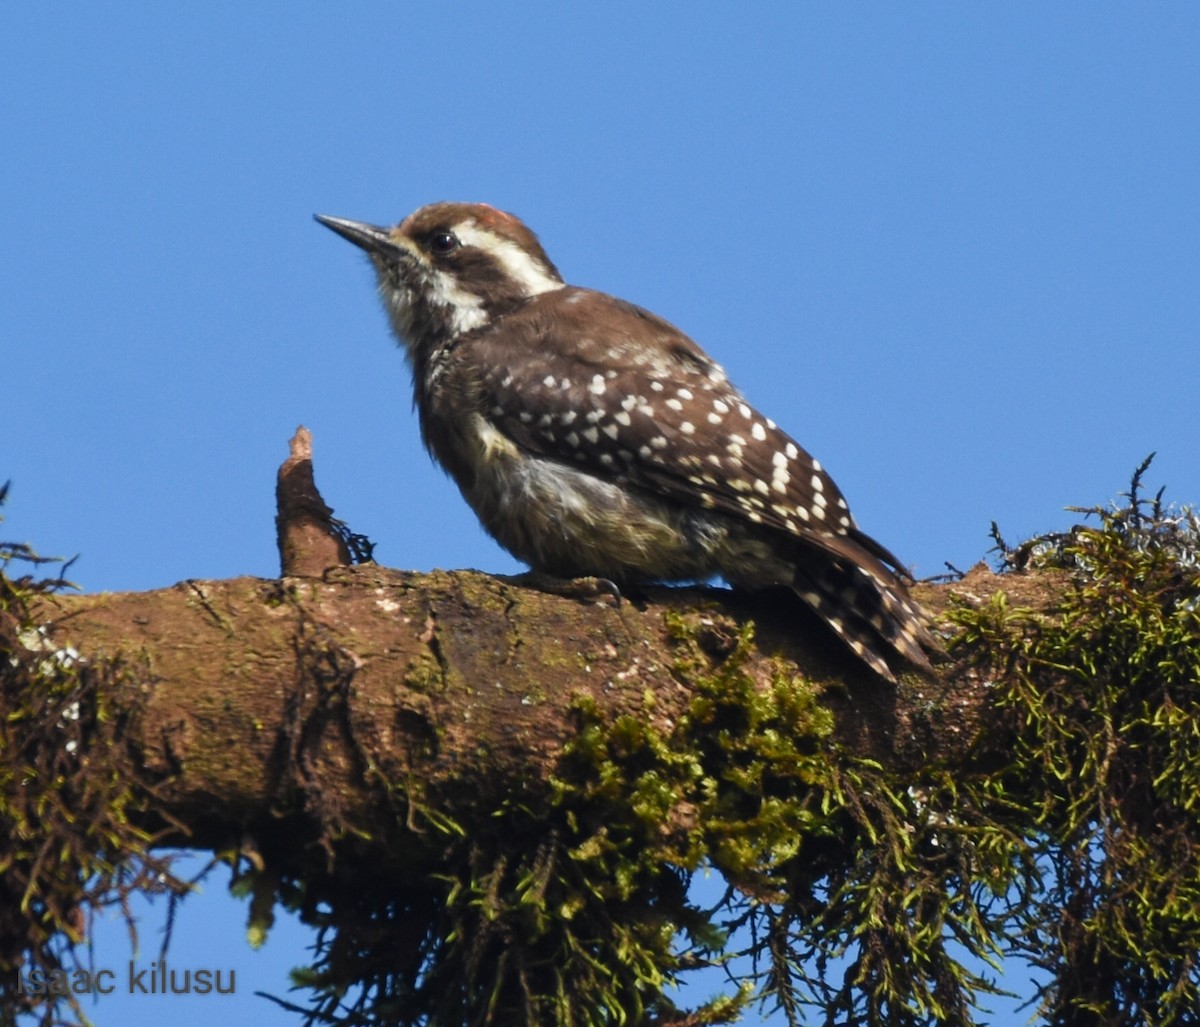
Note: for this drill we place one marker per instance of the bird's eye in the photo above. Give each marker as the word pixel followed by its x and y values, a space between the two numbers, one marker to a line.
pixel 442 243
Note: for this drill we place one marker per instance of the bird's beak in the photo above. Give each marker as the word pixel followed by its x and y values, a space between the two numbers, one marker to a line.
pixel 372 238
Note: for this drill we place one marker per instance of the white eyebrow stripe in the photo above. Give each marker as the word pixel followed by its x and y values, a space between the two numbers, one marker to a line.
pixel 517 263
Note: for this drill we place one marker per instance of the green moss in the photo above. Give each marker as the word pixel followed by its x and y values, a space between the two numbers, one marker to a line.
pixel 1105 690
pixel 425 675
pixel 70 794
pixel 573 906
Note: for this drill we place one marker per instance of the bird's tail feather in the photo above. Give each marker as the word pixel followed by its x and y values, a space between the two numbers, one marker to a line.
pixel 870 610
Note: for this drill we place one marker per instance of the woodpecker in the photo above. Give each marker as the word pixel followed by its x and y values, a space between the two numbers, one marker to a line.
pixel 593 439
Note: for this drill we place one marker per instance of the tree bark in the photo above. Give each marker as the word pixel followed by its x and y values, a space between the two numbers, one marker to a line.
pixel 262 698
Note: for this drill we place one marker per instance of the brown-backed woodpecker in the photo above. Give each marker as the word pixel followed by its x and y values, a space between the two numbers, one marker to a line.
pixel 593 438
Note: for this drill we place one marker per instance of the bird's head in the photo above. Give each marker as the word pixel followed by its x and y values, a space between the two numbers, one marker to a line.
pixel 449 268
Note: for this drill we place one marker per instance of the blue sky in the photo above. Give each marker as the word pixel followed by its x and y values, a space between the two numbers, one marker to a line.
pixel 954 249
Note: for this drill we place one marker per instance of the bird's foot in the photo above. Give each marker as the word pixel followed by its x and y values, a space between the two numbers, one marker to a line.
pixel 586 589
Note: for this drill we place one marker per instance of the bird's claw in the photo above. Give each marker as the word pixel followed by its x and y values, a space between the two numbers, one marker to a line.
pixel 585 589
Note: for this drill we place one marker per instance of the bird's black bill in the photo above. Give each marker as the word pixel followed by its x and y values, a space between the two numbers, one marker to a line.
pixel 371 238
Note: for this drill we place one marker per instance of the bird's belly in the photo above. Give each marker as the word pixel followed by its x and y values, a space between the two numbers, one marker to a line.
pixel 565 522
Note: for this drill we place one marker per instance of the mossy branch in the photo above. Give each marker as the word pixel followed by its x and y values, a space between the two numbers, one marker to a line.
pixel 491 802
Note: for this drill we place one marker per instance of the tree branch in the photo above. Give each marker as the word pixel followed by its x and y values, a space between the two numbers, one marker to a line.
pixel 321 723
pixel 488 798
pixel 263 696
pixel 270 695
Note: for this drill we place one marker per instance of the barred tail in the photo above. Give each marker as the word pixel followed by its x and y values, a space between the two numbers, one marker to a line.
pixel 869 608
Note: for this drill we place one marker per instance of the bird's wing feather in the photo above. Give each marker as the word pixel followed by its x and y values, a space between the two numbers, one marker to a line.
pixel 650 408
